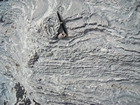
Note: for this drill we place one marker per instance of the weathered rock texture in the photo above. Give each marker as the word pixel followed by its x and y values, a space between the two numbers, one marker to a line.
pixel 98 63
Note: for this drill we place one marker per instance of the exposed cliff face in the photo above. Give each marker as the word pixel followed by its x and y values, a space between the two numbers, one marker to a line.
pixel 98 62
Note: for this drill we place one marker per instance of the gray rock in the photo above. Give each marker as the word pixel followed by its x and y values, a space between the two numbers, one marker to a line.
pixel 98 63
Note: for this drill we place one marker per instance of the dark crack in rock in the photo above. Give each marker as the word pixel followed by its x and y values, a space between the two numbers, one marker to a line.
pixel 36 103
pixel 21 95
pixel 20 91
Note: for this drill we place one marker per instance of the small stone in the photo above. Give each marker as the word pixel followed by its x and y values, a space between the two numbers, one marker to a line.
pixel 62 35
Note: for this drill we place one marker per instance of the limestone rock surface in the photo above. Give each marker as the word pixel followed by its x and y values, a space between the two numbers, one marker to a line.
pixel 98 63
